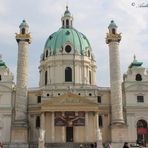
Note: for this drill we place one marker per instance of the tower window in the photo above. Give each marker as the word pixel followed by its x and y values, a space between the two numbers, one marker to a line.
pixel 23 30
pixel 68 74
pixel 67 23
pixel 63 22
pixel 88 53
pixel 46 53
pixel 37 122
pixel 39 99
pixel 140 99
pixel 138 77
pixel 68 48
pixel 46 77
pixel 0 77
pixel 99 99
pixel 113 31
pixel 100 121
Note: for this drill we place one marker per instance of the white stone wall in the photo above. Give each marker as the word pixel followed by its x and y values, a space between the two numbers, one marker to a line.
pixel 55 65
pixel 6 94
pixel 135 110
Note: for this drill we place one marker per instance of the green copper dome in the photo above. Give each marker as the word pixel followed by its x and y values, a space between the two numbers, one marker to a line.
pixel 24 24
pixel 135 63
pixel 2 63
pixel 57 41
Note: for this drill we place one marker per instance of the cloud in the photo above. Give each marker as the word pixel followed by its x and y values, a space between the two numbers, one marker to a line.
pixel 91 18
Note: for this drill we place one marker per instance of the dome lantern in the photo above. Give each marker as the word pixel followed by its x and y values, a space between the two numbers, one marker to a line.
pixel 112 27
pixel 24 27
pixel 67 19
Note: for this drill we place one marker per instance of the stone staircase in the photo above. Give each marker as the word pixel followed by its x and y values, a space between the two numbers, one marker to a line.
pixel 50 145
pixel 67 145
pixel 63 145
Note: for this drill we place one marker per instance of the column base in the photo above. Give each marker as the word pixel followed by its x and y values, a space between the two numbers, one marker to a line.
pixel 118 122
pixel 21 145
pixel 41 144
pixel 19 135
pixel 119 133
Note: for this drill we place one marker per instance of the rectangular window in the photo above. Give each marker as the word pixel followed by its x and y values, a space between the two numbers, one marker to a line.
pixel 99 99
pixel 38 122
pixel 38 99
pixel 100 121
pixel 140 99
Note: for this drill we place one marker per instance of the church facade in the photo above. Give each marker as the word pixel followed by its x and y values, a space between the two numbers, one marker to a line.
pixel 68 107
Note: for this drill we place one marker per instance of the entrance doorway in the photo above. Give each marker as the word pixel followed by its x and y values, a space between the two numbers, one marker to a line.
pixel 69 134
pixel 142 132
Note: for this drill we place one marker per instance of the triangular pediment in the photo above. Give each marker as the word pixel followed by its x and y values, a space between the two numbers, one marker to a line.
pixel 69 101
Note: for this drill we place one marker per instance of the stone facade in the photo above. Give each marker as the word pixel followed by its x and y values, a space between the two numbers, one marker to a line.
pixel 68 105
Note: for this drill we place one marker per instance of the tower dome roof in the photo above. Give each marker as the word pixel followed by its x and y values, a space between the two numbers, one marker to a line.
pixel 67 12
pixel 24 24
pixel 57 41
pixel 2 63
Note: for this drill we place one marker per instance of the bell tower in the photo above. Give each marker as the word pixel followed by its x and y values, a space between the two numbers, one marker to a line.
pixel 19 127
pixel 113 39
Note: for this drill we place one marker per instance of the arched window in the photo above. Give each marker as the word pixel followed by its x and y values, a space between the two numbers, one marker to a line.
pixel 67 23
pixel 0 77
pixel 68 74
pixel 46 77
pixel 37 123
pixel 138 77
pixel 141 123
pixel 88 53
pixel 63 22
pixel 46 53
pixel 113 31
pixel 142 135
pixel 68 48
pixel 89 77
pixel 23 30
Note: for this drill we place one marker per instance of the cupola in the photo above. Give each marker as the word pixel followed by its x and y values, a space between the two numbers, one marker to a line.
pixel 67 19
pixel 112 27
pixel 24 27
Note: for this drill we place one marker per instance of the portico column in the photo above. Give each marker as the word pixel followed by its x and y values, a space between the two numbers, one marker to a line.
pixel 43 120
pixel 97 120
pixel 52 127
pixel 63 131
pixel 86 126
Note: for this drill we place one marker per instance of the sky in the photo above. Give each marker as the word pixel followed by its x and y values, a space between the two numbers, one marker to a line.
pixel 90 17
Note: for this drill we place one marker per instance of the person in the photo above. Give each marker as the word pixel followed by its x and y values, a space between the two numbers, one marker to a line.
pixel 125 145
pixel 81 146
pixel 1 146
pixel 109 145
